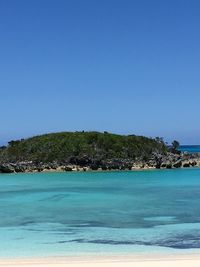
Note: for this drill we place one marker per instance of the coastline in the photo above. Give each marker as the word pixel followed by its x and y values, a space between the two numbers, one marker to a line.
pixel 81 170
pixel 45 168
pixel 159 260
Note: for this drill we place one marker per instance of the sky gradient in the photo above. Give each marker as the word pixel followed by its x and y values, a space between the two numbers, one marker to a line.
pixel 124 66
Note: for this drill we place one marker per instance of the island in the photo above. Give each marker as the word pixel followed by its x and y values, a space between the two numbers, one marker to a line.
pixel 92 151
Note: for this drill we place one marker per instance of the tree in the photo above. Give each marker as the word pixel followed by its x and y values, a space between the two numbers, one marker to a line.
pixel 175 145
pixel 13 143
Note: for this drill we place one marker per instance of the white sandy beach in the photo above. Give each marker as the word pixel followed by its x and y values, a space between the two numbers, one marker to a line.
pixel 118 261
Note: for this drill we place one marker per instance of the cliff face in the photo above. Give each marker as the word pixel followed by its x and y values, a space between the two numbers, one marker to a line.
pixel 70 151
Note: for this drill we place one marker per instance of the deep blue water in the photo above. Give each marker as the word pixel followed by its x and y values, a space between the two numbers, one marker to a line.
pixel 99 212
pixel 190 149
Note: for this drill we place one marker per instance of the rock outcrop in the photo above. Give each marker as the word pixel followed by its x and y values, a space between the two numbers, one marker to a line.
pixel 156 161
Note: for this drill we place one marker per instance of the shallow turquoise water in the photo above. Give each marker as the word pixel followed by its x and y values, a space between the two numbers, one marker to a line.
pixel 105 212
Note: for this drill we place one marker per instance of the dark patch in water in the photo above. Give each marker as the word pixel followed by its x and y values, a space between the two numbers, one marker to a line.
pixel 89 224
pixel 56 197
pixel 27 223
pixel 187 241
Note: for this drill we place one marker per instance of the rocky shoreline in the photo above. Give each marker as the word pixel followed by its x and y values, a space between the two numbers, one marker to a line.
pixel 157 161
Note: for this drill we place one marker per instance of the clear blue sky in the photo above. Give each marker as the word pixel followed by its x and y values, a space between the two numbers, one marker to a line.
pixel 125 66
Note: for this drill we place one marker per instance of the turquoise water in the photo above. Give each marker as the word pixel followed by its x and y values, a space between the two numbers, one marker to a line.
pixel 190 149
pixel 99 212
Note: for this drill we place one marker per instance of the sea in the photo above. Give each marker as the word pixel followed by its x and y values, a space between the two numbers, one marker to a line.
pixel 99 213
pixel 190 148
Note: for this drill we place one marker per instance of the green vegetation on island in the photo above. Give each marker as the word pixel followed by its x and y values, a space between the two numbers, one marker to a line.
pixel 63 146
pixel 68 151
